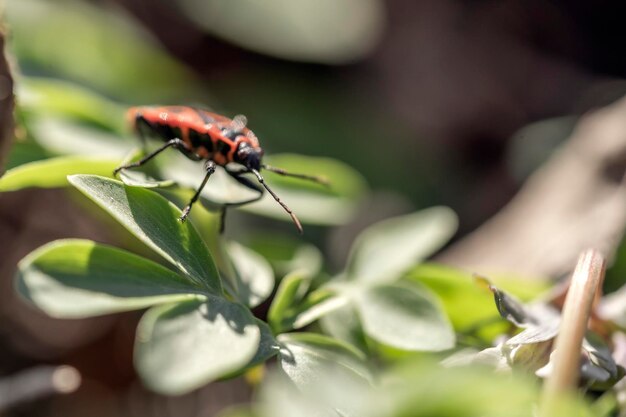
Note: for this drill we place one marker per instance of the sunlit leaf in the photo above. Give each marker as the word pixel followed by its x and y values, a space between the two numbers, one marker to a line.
pixel 304 355
pixel 311 30
pixel 140 179
pixel 291 310
pixel 154 220
pixel 137 178
pixel 220 188
pixel 53 97
pixel 540 321
pixel 612 306
pixel 344 324
pixel 343 180
pixel 94 46
pixel 422 389
pixel 288 292
pixel 333 393
pixel 238 411
pixel 254 278
pixel 184 346
pixel 79 278
pixel 287 254
pixel 268 345
pixel 313 203
pixel 53 172
pixel 404 316
pixel 318 304
pixel 466 305
pixel 23 152
pixel 389 248
pixel 64 137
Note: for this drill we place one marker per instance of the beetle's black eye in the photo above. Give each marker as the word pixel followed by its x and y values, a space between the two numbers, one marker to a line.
pixel 254 160
pixel 249 156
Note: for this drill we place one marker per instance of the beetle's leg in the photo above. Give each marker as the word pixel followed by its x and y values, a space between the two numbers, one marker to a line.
pixel 237 175
pixel 314 178
pixel 210 169
pixel 177 143
pixel 143 129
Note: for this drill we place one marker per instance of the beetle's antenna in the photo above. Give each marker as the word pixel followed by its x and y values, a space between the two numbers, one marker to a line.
pixel 278 200
pixel 319 180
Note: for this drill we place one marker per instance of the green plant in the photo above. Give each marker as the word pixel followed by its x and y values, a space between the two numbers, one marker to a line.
pixel 200 327
pixel 377 329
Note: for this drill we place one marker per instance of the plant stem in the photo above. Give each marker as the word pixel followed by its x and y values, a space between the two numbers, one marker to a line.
pixel 586 282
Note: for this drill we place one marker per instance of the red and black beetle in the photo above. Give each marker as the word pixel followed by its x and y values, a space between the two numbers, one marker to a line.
pixel 202 135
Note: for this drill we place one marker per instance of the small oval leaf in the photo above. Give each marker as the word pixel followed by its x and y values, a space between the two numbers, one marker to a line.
pixel 184 346
pixel 313 203
pixel 254 278
pixel 307 30
pixel 53 172
pixel 404 316
pixel 289 292
pixel 79 278
pixel 305 355
pixel 389 248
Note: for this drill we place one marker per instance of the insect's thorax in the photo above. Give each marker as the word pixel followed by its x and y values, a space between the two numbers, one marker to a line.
pixel 207 135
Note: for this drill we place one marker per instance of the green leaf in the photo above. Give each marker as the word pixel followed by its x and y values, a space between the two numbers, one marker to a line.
pixel 305 355
pixel 268 346
pixel 333 393
pixel 344 324
pixel 96 47
pixel 53 172
pixel 344 181
pixel 469 306
pixel 221 188
pixel 466 304
pixel 404 316
pixel 65 137
pixel 286 253
pixel 421 389
pixel 184 346
pixel 389 248
pixel 48 96
pixel 238 411
pixel 80 278
pixel 290 308
pixel 317 304
pixel 613 307
pixel 154 220
pixel 288 293
pixel 254 278
pixel 313 203
pixel 309 30
pixel 23 152
pixel 136 178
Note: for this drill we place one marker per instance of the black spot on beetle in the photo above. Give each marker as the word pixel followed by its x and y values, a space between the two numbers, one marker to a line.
pixel 223 147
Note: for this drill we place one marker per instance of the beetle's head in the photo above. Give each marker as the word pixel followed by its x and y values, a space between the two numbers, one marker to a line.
pixel 249 157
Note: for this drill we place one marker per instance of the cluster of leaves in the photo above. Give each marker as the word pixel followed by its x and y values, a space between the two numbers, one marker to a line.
pixel 373 332
pixel 200 326
pixel 203 310
pixel 383 307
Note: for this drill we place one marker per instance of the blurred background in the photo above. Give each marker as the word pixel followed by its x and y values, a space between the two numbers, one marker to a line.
pixel 432 101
